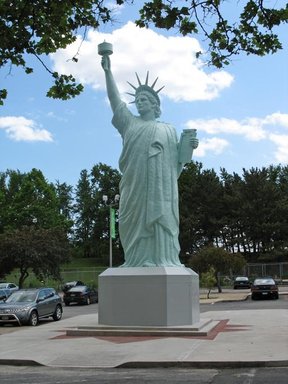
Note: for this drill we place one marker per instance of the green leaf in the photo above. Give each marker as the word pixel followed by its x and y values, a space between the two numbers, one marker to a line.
pixel 3 95
pixel 65 87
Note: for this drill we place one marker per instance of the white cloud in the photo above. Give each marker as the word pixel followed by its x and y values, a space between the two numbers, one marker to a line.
pixel 277 118
pixel 22 129
pixel 269 128
pixel 281 141
pixel 213 145
pixel 251 128
pixel 138 50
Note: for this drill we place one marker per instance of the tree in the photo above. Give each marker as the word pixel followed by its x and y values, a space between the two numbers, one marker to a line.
pixel 208 280
pixel 106 182
pixel 232 231
pixel 201 208
pixel 220 260
pixel 264 214
pixel 190 236
pixel 252 31
pixel 37 28
pixel 27 198
pixel 92 213
pixel 65 199
pixel 32 226
pixel 85 215
pixel 255 213
pixel 36 250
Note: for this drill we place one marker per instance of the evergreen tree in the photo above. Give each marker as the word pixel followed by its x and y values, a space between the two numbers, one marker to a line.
pixel 200 200
pixel 92 212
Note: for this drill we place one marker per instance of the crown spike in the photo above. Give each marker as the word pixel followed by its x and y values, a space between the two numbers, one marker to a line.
pixel 139 82
pixel 145 87
pixel 131 85
pixel 160 89
pixel 155 81
pixel 147 78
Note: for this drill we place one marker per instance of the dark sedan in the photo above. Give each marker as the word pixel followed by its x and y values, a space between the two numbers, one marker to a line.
pixel 264 287
pixel 80 295
pixel 71 284
pixel 241 282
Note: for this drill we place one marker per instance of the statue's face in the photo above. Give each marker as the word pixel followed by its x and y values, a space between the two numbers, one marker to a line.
pixel 143 104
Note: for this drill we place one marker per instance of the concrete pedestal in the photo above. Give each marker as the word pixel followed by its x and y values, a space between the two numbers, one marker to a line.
pixel 148 296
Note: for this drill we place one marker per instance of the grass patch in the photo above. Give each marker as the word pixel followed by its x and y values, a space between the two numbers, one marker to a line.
pixel 85 270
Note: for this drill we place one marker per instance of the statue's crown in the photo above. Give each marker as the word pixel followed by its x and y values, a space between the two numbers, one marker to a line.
pixel 145 88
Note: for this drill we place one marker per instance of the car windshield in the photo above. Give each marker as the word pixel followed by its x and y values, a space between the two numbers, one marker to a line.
pixel 241 278
pixel 79 288
pixel 264 281
pixel 22 297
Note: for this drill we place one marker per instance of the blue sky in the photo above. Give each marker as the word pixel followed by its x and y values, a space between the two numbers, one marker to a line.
pixel 240 112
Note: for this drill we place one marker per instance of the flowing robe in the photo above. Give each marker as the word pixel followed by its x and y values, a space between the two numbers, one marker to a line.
pixel 148 212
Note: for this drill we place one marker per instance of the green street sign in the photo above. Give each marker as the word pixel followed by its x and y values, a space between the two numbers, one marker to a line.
pixel 112 223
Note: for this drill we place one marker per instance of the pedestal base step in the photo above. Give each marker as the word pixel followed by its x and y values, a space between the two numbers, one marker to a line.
pixel 199 329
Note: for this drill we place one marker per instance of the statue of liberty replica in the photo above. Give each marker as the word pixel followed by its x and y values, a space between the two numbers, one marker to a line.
pixel 151 161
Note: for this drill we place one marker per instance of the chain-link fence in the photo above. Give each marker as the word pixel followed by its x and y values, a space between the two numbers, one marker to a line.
pixel 278 271
pixel 88 276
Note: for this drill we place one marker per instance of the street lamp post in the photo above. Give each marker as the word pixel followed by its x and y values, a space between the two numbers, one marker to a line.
pixel 111 223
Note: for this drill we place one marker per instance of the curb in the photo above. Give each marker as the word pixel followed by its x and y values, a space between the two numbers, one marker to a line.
pixel 204 364
pixel 223 300
pixel 22 363
pixel 161 364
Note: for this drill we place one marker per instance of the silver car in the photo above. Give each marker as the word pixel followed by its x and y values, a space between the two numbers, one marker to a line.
pixel 28 306
pixel 11 286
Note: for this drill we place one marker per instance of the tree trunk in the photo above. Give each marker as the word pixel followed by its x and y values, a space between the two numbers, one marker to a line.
pixel 23 276
pixel 218 282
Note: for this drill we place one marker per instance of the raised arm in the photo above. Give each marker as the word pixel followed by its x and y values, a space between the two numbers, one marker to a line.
pixel 112 90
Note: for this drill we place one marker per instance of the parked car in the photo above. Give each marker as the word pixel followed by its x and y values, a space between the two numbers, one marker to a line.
pixel 11 286
pixel 81 294
pixel 241 282
pixel 28 306
pixel 71 284
pixel 264 287
pixel 4 294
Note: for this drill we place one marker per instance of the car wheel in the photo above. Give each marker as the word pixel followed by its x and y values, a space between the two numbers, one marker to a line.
pixel 57 314
pixel 254 297
pixel 88 301
pixel 33 319
pixel 66 303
